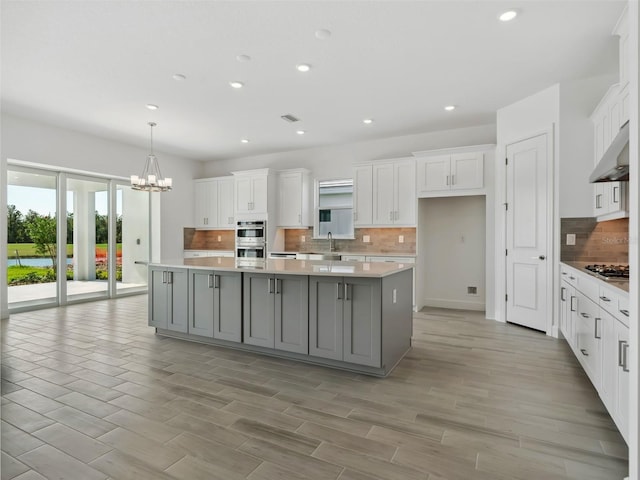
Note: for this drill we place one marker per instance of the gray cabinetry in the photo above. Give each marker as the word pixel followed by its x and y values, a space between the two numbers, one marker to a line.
pixel 259 310
pixel 276 311
pixel 345 319
pixel 168 307
pixel 215 308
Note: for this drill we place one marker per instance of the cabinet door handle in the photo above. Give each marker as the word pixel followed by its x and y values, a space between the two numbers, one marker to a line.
pixel 447 179
pixel 164 277
pixel 620 360
pixel 599 200
pixel 210 280
pixel 339 290
pixel 595 328
pixel 605 299
pixel 216 281
pixel 624 312
pixel 614 195
pixel 585 315
pixel 346 291
pixel 584 352
pixel 572 278
pixel 278 286
pixel 562 292
pixel 391 215
pixel 625 354
pixel 573 308
pixel 270 285
pixel 453 179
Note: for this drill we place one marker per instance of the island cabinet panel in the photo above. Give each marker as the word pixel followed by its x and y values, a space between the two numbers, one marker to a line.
pixel 202 299
pixel 292 313
pixel 168 307
pixel 215 308
pixel 345 319
pixel 325 317
pixel 362 321
pixel 259 310
pixel 227 312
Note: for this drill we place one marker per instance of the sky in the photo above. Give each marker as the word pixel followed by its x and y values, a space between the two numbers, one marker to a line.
pixel 43 200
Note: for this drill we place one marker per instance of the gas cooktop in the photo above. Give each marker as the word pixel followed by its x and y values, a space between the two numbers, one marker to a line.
pixel 610 272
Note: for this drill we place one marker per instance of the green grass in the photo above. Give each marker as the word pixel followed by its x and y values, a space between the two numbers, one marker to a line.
pixel 29 249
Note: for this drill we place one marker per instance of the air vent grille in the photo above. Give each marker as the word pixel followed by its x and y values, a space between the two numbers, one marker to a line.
pixel 289 118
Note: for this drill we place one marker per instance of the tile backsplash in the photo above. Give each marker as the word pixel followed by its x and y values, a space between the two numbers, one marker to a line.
pixel 208 239
pixel 381 240
pixel 597 242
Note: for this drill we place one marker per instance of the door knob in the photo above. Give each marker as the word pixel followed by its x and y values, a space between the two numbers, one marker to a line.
pixel 542 257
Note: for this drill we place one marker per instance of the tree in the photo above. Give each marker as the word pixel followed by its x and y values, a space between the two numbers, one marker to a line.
pixel 16 232
pixel 42 230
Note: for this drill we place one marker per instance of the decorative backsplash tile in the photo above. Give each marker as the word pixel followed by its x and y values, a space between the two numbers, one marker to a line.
pixel 597 242
pixel 381 240
pixel 208 239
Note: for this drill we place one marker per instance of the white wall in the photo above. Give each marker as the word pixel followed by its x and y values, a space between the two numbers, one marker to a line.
pixel 336 161
pixel 27 140
pixel 452 257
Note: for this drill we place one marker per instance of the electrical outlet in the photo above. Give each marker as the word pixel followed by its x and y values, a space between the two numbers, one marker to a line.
pixel 219 238
pixel 366 239
pixel 400 238
pixel 303 238
pixel 571 238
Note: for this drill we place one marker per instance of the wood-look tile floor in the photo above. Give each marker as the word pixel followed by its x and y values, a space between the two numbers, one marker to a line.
pixel 89 391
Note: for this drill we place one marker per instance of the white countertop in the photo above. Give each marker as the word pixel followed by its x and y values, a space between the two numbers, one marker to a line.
pixel 292 267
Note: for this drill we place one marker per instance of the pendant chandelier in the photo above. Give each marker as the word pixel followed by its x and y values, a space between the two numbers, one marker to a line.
pixel 151 179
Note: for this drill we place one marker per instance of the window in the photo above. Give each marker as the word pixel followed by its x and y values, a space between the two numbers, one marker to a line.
pixel 334 208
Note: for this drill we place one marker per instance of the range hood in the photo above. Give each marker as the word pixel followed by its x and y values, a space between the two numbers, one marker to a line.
pixel 614 164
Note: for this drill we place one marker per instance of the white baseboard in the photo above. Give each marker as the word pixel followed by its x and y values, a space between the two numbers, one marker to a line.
pixel 455 304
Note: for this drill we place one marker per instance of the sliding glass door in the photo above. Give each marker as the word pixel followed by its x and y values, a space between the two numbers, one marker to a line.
pixel 99 248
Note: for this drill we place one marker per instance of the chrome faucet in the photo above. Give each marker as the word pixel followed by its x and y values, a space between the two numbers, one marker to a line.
pixel 330 238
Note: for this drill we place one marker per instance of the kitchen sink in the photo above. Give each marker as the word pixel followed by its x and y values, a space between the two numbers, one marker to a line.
pixel 318 256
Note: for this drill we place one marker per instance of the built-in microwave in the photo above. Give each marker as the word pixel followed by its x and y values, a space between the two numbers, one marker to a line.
pixel 247 251
pixel 251 233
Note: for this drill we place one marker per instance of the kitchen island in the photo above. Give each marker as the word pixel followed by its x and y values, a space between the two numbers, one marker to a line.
pixel 350 315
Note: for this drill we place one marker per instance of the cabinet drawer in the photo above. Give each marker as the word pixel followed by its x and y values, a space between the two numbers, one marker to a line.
pixel 588 285
pixel 623 309
pixel 569 275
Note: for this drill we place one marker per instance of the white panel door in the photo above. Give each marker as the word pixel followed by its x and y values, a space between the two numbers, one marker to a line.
pixel 362 195
pixel 527 227
pixel 244 194
pixel 383 201
pixel 290 199
pixel 202 204
pixel 405 192
pixel 259 194
pixel 225 203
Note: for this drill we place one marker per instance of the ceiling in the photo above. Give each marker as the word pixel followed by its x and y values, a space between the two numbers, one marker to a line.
pixel 93 65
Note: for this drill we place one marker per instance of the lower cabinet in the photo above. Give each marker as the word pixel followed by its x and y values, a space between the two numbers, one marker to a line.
pixel 568 312
pixel 589 338
pixel 215 304
pixel 621 388
pixel 345 319
pixel 168 302
pixel 276 311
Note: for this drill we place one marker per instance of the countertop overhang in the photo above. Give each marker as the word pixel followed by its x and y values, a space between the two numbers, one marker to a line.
pixel 283 266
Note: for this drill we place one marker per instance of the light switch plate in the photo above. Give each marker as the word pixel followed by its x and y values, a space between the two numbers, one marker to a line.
pixel 400 238
pixel 571 238
pixel 303 238
pixel 366 238
pixel 219 238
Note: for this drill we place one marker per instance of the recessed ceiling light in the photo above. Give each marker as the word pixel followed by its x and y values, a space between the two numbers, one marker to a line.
pixel 236 84
pixel 303 67
pixel 367 121
pixel 300 132
pixel 244 140
pixel 179 77
pixel 243 58
pixel 323 34
pixel 151 106
pixel 450 108
pixel 508 15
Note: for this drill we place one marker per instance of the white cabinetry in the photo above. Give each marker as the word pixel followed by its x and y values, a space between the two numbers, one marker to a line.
pixel 294 198
pixel 594 320
pixel 385 193
pixel 609 198
pixel 362 195
pixel 252 191
pixel 452 172
pixel 214 203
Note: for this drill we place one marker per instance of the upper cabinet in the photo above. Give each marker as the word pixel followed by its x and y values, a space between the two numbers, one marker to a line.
pixel 252 192
pixel 451 172
pixel 385 193
pixel 294 198
pixel 214 203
